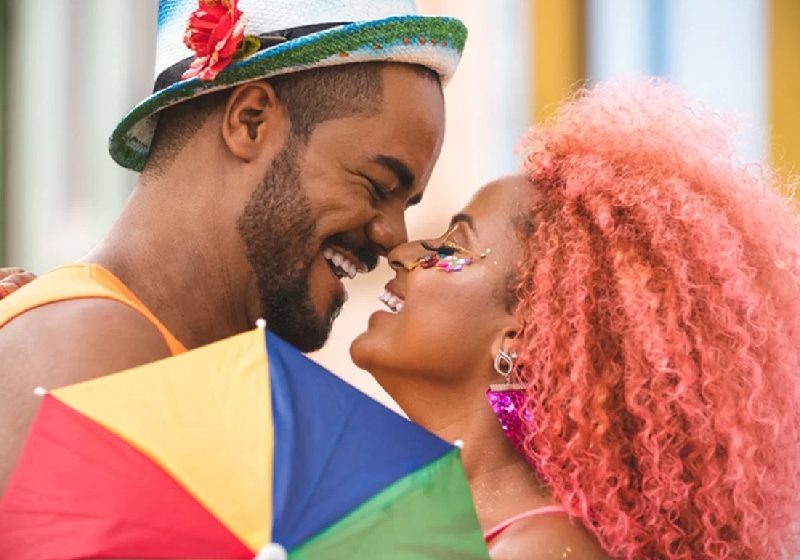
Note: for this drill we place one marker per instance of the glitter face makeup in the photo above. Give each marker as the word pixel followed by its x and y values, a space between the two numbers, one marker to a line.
pixel 447 257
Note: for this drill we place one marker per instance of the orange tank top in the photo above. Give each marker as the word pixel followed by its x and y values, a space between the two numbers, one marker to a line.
pixel 80 281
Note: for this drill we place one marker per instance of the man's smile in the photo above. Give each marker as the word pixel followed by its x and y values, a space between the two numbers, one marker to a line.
pixel 343 263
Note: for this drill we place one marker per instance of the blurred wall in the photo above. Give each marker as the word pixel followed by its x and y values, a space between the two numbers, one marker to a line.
pixel 74 68
pixel 715 49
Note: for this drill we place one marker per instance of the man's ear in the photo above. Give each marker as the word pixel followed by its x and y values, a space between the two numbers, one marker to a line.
pixel 253 119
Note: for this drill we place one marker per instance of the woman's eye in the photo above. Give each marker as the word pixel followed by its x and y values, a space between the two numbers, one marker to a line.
pixel 446 244
pixel 447 237
pixel 442 249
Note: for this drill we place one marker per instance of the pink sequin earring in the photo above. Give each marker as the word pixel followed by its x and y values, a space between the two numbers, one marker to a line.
pixel 507 399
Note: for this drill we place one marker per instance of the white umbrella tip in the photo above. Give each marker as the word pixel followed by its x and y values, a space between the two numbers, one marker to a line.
pixel 272 551
pixel 261 324
pixel 40 391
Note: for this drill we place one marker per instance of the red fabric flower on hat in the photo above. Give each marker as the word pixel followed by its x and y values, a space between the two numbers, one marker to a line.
pixel 214 32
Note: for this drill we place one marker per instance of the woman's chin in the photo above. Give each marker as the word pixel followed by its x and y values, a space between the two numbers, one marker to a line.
pixel 371 347
pixel 361 351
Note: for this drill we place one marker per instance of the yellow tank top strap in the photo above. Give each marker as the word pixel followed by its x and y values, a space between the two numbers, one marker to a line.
pixel 80 281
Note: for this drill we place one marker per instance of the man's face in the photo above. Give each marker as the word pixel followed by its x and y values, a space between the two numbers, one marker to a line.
pixel 327 209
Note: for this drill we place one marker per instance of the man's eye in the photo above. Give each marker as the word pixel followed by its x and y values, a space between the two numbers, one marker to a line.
pixel 378 190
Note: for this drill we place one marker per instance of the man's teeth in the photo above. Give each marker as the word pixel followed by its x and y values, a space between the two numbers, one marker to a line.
pixel 394 302
pixel 341 262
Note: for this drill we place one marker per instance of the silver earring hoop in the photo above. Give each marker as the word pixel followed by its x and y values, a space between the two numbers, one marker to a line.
pixel 504 363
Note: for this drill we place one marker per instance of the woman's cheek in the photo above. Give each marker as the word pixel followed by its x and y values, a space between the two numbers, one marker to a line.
pixel 451 302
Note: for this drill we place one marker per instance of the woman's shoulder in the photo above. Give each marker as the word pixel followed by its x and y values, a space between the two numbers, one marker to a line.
pixel 546 537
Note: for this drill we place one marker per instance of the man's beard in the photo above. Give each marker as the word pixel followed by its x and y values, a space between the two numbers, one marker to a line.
pixel 278 229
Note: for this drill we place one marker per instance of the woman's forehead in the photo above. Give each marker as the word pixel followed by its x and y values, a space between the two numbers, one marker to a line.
pixel 500 197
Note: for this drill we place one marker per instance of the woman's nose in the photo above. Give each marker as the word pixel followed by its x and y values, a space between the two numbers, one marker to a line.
pixel 404 254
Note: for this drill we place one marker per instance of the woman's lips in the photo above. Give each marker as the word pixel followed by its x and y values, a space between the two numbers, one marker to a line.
pixel 393 300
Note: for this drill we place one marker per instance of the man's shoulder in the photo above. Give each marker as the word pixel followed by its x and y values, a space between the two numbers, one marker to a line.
pixel 73 340
pixel 60 344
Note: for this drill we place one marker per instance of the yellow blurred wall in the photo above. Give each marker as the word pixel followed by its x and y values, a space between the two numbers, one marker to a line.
pixel 558 52
pixel 784 71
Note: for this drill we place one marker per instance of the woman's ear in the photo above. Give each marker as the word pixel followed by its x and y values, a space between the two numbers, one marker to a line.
pixel 505 340
pixel 254 119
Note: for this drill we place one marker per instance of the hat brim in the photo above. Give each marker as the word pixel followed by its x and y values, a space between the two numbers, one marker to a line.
pixel 433 42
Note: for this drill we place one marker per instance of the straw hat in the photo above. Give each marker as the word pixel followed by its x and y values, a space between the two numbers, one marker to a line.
pixel 236 41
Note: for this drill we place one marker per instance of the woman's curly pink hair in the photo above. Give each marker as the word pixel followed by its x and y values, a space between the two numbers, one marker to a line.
pixel 660 310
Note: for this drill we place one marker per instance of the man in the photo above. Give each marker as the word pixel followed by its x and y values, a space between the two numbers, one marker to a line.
pixel 287 148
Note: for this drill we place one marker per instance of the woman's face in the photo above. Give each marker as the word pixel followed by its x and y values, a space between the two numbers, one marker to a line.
pixel 448 322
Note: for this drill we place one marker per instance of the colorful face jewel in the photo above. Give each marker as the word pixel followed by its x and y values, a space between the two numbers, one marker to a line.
pixel 453 264
pixel 445 258
pixel 428 261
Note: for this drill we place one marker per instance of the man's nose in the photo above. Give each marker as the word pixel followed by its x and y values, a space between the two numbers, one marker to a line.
pixel 388 230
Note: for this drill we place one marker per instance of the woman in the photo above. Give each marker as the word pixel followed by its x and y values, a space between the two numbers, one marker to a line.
pixel 637 297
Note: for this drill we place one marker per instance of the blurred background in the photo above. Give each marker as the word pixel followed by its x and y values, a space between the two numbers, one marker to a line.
pixel 72 68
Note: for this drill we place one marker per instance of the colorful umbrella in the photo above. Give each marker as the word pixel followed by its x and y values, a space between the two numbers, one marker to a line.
pixel 221 451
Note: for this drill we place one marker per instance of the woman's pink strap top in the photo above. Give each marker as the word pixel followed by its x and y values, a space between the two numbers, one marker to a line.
pixel 497 529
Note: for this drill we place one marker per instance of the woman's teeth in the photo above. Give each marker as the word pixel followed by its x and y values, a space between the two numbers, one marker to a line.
pixel 340 264
pixel 395 303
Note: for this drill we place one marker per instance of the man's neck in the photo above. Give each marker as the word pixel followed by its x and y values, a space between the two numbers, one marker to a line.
pixel 178 267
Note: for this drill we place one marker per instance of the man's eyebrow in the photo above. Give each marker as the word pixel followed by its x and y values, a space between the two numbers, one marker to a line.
pixel 414 200
pixel 466 218
pixel 400 170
